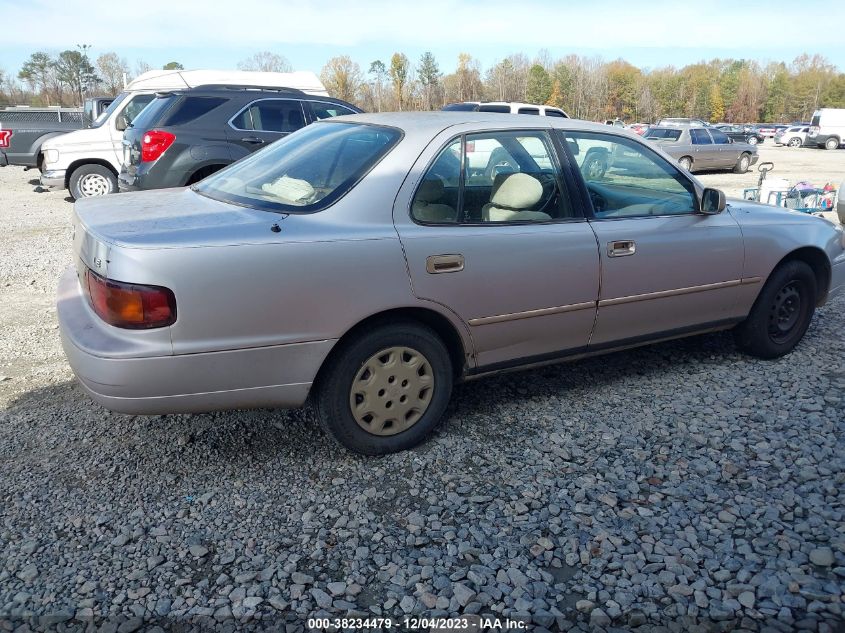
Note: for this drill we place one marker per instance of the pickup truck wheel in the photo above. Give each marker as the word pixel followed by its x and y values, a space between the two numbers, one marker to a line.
pixel 781 314
pixel 89 181
pixel 795 142
pixel 685 162
pixel 831 143
pixel 385 390
pixel 742 164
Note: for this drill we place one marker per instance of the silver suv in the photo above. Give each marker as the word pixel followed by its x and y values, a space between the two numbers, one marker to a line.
pixel 506 107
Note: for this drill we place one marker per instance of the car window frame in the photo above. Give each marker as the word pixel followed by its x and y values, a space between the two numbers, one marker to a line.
pixel 587 201
pixel 561 178
pixel 311 117
pixel 251 103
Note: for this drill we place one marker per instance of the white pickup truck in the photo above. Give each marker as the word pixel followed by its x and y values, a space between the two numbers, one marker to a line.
pixel 87 162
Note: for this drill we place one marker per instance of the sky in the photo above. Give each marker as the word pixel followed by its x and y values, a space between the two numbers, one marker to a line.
pixel 216 34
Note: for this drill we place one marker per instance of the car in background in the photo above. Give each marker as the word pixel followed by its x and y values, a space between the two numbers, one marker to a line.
pixel 827 129
pixel 356 263
pixel 185 135
pixel 676 121
pixel 794 136
pixel 638 128
pixel 506 107
pixel 702 149
pixel 741 133
pixel 766 129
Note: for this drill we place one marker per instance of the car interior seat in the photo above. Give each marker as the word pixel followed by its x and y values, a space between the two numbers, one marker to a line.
pixel 512 199
pixel 427 206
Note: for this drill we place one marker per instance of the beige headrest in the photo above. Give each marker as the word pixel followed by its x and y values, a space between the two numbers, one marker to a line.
pixel 430 190
pixel 518 191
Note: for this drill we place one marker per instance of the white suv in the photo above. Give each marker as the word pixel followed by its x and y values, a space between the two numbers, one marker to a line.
pixel 506 107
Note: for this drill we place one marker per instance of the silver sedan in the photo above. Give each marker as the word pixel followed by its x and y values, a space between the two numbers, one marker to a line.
pixel 370 262
pixel 703 148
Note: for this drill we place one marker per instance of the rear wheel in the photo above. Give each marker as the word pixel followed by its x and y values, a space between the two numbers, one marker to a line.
pixel 831 143
pixel 752 140
pixel 782 312
pixel 742 164
pixel 88 181
pixel 685 162
pixel 385 390
pixel 795 142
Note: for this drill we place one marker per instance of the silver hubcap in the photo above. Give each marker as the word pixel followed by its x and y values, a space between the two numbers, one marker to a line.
pixel 391 391
pixel 743 163
pixel 94 185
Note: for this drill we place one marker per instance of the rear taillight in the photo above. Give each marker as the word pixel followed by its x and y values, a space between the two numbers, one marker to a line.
pixel 154 144
pixel 130 306
pixel 5 137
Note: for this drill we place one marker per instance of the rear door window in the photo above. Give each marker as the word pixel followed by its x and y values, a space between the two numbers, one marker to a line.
pixel 720 138
pixel 271 115
pixel 323 110
pixel 152 114
pixel 556 113
pixel 700 137
pixel 192 108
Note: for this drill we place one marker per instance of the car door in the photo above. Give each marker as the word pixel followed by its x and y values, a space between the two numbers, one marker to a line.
pixel 263 121
pixel 490 231
pixel 705 154
pixel 666 268
pixel 728 153
pixel 124 118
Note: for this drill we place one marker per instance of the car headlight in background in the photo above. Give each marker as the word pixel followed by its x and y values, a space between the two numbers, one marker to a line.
pixel 51 155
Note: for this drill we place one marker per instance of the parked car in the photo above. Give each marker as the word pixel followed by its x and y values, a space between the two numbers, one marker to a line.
pixel 827 129
pixel 183 136
pixel 24 130
pixel 358 262
pixel 638 128
pixel 742 134
pixel 87 162
pixel 506 107
pixel 681 122
pixel 700 149
pixel 792 136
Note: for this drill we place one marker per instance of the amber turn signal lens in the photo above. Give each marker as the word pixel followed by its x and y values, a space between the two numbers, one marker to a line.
pixel 131 306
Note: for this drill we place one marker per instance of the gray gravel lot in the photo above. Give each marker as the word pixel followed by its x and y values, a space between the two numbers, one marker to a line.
pixel 681 487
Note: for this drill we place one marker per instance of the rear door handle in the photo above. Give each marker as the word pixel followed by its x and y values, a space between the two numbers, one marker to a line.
pixel 252 140
pixel 621 248
pixel 435 264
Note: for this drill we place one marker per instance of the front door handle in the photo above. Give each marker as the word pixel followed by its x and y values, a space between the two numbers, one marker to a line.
pixel 252 140
pixel 435 264
pixel 621 248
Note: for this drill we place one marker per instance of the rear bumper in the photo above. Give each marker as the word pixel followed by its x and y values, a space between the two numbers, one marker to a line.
pixel 103 361
pixel 53 179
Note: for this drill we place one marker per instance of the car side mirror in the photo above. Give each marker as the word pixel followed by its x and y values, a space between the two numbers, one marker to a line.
pixel 122 122
pixel 713 201
pixel 573 147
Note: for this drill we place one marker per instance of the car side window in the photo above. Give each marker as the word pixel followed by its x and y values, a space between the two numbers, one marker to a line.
pixel 556 113
pixel 720 138
pixel 495 177
pixel 625 179
pixel 271 115
pixel 328 110
pixel 700 137
pixel 529 111
pixel 135 106
pixel 193 108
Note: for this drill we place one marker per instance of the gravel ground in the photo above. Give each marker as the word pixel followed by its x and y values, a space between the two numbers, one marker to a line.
pixel 681 487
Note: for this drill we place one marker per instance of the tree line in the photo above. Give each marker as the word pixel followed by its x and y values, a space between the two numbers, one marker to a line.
pixel 735 90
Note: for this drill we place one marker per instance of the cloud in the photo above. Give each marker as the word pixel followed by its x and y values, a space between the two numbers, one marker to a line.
pixel 514 25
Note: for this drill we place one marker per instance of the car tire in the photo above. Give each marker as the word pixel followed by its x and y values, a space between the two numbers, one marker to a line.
pixel 794 142
pixel 752 140
pixel 594 166
pixel 742 164
pixel 781 314
pixel 88 181
pixel 831 143
pixel 686 163
pixel 393 367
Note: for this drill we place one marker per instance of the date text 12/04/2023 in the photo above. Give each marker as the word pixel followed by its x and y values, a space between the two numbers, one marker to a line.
pixel 461 623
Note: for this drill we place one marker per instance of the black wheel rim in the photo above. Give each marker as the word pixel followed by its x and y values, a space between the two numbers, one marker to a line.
pixel 785 313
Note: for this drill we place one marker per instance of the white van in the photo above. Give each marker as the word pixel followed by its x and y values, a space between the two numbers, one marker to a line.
pixel 827 129
pixel 88 161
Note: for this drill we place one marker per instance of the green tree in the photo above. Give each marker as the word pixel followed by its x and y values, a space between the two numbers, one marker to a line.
pixel 37 71
pixel 539 85
pixel 173 66
pixel 429 74
pixel 399 70
pixel 623 81
pixel 379 72
pixel 74 70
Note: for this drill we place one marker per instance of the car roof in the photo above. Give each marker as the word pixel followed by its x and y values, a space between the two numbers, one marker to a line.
pixel 435 122
pixel 254 92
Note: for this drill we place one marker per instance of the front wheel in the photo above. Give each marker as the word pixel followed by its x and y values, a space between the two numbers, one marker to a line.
pixel 686 163
pixel 831 143
pixel 781 314
pixel 742 164
pixel 89 181
pixel 385 390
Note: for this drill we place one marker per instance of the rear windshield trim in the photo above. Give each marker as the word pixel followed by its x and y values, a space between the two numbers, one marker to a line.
pixel 338 194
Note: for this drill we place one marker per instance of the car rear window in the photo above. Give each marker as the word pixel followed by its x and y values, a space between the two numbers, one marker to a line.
pixel 151 115
pixel 305 171
pixel 660 133
pixel 192 108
